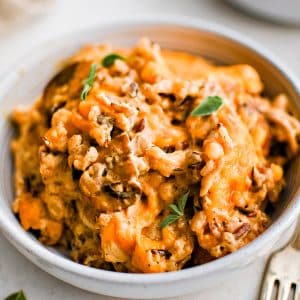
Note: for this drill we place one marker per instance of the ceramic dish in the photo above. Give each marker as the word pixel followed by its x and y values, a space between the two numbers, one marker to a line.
pixel 272 10
pixel 24 82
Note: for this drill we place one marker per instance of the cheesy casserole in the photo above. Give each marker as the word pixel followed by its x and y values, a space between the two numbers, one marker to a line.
pixel 117 165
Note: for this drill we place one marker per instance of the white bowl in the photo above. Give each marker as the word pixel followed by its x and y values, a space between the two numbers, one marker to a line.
pixel 283 11
pixel 25 81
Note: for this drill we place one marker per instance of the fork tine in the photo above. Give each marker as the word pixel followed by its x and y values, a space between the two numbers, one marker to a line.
pixel 268 286
pixel 284 290
pixel 297 291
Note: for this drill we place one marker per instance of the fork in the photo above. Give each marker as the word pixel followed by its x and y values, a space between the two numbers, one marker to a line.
pixel 282 276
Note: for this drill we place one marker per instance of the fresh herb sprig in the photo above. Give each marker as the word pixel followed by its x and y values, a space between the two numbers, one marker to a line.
pixel 89 81
pixel 177 211
pixel 109 59
pixel 16 296
pixel 209 105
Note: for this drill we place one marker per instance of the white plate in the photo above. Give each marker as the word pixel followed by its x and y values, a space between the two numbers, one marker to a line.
pixel 285 11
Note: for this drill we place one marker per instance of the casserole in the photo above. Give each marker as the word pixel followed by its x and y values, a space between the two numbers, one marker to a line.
pixel 208 40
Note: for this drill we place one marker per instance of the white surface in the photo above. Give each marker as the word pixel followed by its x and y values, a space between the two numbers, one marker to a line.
pixel 15 271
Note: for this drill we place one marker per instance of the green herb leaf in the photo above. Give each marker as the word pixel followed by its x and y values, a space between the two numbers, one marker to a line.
pixel 182 202
pixel 209 105
pixel 109 59
pixel 168 220
pixel 175 209
pixel 16 296
pixel 178 211
pixel 89 81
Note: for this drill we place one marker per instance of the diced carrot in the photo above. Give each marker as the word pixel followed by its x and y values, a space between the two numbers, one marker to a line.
pixel 30 212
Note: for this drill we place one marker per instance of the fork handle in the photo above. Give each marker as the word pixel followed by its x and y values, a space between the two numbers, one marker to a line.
pixel 296 237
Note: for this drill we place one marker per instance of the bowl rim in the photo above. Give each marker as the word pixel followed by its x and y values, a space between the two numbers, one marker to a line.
pixel 21 239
